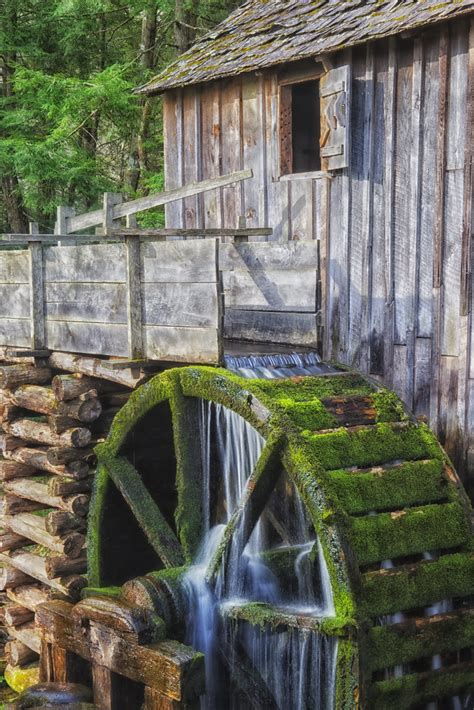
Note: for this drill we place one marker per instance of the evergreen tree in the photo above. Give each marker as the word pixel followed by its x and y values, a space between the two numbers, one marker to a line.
pixel 71 126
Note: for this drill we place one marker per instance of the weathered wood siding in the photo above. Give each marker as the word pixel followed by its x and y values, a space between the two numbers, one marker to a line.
pixel 395 229
pixel 90 305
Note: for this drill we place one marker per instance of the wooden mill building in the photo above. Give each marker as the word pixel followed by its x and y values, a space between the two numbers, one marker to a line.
pixel 356 119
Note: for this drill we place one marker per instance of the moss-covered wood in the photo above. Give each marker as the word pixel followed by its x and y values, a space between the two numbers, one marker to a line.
pixel 373 492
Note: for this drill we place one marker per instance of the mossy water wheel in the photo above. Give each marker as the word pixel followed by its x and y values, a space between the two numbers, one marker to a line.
pixel 375 483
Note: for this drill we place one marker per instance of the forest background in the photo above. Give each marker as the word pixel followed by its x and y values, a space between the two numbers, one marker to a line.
pixel 71 126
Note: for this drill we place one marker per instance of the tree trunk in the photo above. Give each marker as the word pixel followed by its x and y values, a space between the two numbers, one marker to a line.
pixel 185 26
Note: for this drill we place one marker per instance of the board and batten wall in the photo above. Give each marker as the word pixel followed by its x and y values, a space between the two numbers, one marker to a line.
pixel 395 229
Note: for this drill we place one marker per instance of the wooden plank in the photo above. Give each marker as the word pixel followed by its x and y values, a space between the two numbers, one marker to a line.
pixel 86 302
pixel 15 332
pixel 191 153
pixel 439 237
pixel 378 257
pixel 38 332
pixel 277 192
pixel 404 238
pixel 253 149
pixel 134 298
pixel 390 105
pixel 179 262
pixel 286 328
pixel 92 219
pixel 424 325
pixel 183 305
pixel 302 210
pixel 198 233
pixel 172 114
pixel 283 256
pixel 85 264
pixel 14 267
pixel 361 207
pixel 15 301
pixel 88 338
pixel 231 148
pixel 211 151
pixel 199 345
pixel 468 211
pixel 421 398
pixel 450 334
pixel 271 290
pixel 157 530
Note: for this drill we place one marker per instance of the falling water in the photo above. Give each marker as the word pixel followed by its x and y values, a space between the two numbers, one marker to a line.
pixel 296 667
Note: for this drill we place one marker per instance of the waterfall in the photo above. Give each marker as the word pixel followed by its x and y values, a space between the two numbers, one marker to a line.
pixel 294 668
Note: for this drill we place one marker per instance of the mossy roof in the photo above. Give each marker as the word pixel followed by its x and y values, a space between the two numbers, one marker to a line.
pixel 265 33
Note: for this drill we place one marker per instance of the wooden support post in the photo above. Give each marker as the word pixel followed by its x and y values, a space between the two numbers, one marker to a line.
pixel 134 295
pixel 156 701
pixel 242 238
pixel 63 215
pixel 111 199
pixel 38 328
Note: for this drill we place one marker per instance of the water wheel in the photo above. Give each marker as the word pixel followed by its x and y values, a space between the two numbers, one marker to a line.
pixel 392 521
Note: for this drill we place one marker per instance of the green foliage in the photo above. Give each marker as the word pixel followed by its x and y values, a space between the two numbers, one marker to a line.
pixel 71 125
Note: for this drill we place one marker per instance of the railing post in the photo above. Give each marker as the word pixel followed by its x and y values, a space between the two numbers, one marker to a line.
pixel 111 199
pixel 37 317
pixel 63 214
pixel 134 293
pixel 242 238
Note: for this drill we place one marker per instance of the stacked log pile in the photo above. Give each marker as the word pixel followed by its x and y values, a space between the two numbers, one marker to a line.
pixel 50 422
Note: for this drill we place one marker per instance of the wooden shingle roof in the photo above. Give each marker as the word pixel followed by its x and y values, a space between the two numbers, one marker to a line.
pixel 263 33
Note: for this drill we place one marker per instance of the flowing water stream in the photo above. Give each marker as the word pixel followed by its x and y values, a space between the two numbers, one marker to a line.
pixel 287 669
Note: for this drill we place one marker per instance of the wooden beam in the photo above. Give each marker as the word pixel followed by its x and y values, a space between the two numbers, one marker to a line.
pixel 134 298
pixel 91 219
pixel 148 515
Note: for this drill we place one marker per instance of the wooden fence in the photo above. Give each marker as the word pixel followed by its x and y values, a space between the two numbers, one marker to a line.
pixel 161 294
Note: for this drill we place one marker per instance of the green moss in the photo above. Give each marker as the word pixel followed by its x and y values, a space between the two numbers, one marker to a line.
pixel 310 415
pixel 95 551
pixel 19 679
pixel 389 646
pixel 389 407
pixel 403 533
pixel 372 446
pixel 265 616
pixel 108 592
pixel 412 690
pixel 391 488
pixel 347 675
pixel 413 586
pixel 307 389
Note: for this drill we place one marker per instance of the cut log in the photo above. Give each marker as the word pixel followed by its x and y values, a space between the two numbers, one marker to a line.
pixel 62 566
pixel 86 409
pixel 15 615
pixel 59 486
pixel 33 527
pixel 60 523
pixel 9 412
pixel 37 459
pixel 115 399
pixel 18 654
pixel 12 376
pixel 60 424
pixel 27 634
pixel 34 566
pixel 30 596
pixel 62 455
pixel 12 504
pixel 94 367
pixel 12 469
pixel 40 432
pixel 10 576
pixel 34 491
pixel 135 624
pixel 11 541
pixel 9 443
pixel 67 387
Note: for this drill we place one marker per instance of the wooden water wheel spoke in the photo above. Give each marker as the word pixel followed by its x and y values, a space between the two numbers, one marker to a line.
pixel 147 513
pixel 255 496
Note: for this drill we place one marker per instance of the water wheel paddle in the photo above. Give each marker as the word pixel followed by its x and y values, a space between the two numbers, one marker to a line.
pixel 375 485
